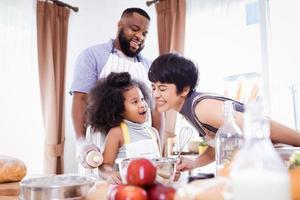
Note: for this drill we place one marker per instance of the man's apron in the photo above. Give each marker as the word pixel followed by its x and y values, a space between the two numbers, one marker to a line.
pixel 116 63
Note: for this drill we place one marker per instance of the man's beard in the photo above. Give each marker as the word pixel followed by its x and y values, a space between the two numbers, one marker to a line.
pixel 125 45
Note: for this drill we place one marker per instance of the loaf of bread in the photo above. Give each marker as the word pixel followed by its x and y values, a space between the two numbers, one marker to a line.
pixel 11 169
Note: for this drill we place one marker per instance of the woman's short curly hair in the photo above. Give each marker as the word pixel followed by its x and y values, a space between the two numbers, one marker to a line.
pixel 106 101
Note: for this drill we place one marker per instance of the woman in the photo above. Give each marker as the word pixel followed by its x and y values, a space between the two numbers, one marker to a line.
pixel 174 79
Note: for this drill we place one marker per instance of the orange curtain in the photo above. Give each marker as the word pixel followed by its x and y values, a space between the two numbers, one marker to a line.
pixel 171 25
pixel 171 36
pixel 52 29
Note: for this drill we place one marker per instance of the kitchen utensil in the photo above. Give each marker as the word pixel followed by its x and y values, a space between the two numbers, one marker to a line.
pixel 185 134
pixel 71 187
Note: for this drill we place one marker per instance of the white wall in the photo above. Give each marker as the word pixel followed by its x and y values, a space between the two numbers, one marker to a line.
pixel 284 57
pixel 96 22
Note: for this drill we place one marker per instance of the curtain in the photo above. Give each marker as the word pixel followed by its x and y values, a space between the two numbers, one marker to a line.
pixel 52 29
pixel 171 36
pixel 171 25
pixel 21 128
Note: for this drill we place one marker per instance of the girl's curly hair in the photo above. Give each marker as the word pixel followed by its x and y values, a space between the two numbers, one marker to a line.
pixel 106 101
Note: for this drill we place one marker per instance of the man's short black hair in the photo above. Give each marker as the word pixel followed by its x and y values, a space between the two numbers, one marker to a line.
pixel 174 69
pixel 130 11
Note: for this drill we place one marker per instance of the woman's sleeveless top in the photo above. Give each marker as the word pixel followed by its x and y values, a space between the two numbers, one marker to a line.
pixel 188 110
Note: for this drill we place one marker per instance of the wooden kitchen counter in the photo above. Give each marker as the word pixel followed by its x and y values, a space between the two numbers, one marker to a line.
pixel 9 191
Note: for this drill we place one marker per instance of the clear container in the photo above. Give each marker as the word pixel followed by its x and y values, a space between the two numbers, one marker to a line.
pixel 295 89
pixel 94 159
pixel 258 172
pixel 229 139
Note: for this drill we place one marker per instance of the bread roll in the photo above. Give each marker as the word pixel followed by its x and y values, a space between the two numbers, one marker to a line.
pixel 11 169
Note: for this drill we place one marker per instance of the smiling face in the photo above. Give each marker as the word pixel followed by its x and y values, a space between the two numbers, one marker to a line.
pixel 166 96
pixel 132 32
pixel 135 106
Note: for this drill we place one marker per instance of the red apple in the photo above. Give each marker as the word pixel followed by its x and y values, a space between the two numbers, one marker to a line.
pixel 127 192
pixel 161 192
pixel 141 172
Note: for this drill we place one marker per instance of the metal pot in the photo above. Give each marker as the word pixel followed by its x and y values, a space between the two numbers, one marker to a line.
pixel 58 187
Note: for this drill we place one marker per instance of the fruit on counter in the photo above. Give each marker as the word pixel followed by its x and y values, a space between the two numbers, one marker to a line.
pixel 127 192
pixel 294 171
pixel 161 192
pixel 294 160
pixel 11 169
pixel 295 183
pixel 141 172
pixel 202 147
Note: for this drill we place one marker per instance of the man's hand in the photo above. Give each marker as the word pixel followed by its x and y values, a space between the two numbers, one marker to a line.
pixel 83 147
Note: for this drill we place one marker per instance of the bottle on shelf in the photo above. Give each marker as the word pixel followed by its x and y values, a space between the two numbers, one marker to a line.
pixel 257 171
pixel 229 139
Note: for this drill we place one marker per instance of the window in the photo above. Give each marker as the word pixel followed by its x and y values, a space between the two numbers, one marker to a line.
pixel 230 39
pixel 21 128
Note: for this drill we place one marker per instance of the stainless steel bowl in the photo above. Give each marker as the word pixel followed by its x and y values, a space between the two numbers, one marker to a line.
pixel 58 187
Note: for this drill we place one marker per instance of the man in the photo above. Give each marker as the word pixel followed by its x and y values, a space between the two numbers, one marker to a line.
pixel 121 54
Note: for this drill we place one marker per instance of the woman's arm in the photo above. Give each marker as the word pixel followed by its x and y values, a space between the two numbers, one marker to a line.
pixel 282 134
pixel 210 111
pixel 114 140
pixel 188 164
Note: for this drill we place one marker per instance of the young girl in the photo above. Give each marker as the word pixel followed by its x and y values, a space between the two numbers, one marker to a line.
pixel 118 106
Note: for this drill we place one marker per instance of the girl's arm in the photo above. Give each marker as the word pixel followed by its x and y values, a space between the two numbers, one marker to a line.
pixel 114 140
